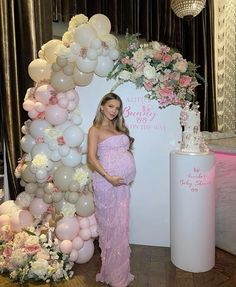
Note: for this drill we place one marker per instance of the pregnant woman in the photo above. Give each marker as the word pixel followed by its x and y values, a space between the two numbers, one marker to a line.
pixel 109 153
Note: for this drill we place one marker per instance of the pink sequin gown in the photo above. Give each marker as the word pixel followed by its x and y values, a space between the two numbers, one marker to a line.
pixel 112 210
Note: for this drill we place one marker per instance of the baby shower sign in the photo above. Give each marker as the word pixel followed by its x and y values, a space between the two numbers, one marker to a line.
pixel 142 114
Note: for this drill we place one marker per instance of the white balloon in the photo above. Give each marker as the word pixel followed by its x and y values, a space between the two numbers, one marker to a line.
pixel 77 120
pixel 55 156
pixel 64 150
pixel 38 127
pixel 75 48
pixel 40 148
pixel 85 65
pixel 91 54
pixel 73 136
pixel 113 54
pixel 41 174
pixel 64 125
pixel 96 43
pixel 72 159
pixel 27 143
pixel 104 66
pixel 84 145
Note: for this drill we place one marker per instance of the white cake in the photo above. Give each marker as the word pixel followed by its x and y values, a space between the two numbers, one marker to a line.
pixel 192 138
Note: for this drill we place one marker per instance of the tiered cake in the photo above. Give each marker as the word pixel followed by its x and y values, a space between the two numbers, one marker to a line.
pixel 192 138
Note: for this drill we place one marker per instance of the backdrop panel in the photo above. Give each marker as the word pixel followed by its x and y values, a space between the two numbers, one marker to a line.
pixel 156 132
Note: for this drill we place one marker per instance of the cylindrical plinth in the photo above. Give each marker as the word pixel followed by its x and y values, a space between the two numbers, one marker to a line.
pixel 192 218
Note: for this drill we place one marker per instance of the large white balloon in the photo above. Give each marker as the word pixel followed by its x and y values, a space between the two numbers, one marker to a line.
pixel 38 127
pixel 84 34
pixel 104 66
pixel 72 159
pixel 73 136
pixel 50 50
pixel 100 23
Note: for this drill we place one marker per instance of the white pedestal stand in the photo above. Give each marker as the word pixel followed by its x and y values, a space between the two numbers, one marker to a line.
pixel 192 218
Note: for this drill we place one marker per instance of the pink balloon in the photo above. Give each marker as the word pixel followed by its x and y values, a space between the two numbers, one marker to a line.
pixel 33 114
pixel 63 103
pixel 39 107
pixel 28 105
pixel 77 243
pixel 73 255
pixel 85 234
pixel 84 222
pixel 71 95
pixel 71 106
pixel 38 207
pixel 93 229
pixel 92 219
pixel 86 252
pixel 21 219
pixel 66 246
pixel 43 93
pixel 55 115
pixel 67 228
pixel 4 219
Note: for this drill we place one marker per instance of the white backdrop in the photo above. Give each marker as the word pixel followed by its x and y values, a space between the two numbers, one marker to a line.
pixel 156 132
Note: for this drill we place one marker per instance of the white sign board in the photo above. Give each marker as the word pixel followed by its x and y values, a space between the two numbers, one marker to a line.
pixel 156 132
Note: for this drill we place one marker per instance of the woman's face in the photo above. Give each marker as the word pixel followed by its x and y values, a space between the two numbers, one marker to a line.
pixel 111 109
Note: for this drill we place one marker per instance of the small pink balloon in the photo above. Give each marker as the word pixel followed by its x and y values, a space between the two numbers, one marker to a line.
pixel 78 243
pixel 38 207
pixel 85 234
pixel 71 95
pixel 93 229
pixel 84 223
pixel 21 219
pixel 39 107
pixel 73 255
pixel 67 228
pixel 66 246
pixel 4 219
pixel 86 252
pixel 28 105
pixel 71 106
pixel 63 103
pixel 92 219
pixel 33 114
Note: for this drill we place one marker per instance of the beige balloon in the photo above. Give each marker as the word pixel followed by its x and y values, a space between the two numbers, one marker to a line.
pixel 62 82
pixel 39 70
pixel 27 175
pixel 51 50
pixel 85 204
pixel 82 79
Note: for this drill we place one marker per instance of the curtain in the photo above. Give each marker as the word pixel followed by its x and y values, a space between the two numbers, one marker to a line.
pixel 155 20
pixel 25 26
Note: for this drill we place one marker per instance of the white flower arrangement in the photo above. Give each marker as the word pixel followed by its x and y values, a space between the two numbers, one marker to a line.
pixel 82 176
pixel 68 209
pixel 27 255
pixel 40 161
pixel 77 21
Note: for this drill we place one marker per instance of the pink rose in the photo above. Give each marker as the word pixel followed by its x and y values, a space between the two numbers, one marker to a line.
pixel 184 81
pixel 166 92
pixel 157 55
pixel 32 249
pixel 125 61
pixel 7 252
pixel 61 140
pixel 53 100
pixel 167 58
pixel 148 85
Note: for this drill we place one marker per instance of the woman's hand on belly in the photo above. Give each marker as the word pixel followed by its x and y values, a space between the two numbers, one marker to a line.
pixel 115 180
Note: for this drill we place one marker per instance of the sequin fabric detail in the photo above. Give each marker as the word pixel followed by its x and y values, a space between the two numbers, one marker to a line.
pixel 112 211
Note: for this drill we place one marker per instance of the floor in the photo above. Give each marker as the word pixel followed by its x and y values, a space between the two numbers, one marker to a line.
pixel 152 268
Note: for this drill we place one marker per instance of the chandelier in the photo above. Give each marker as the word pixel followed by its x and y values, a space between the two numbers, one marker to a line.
pixel 187 9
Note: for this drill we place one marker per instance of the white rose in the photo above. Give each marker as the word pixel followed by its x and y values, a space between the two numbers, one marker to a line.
pixel 39 267
pixel 149 72
pixel 156 46
pixel 68 209
pixel 125 75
